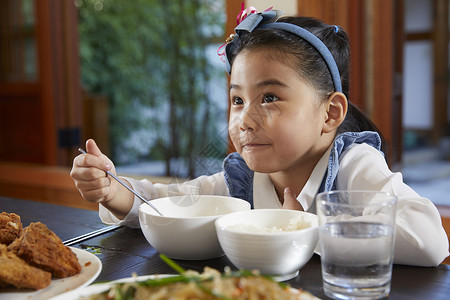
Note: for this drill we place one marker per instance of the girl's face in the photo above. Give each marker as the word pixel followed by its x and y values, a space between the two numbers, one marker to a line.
pixel 276 120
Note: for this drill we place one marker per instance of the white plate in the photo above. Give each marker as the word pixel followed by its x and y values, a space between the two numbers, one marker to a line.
pixel 102 287
pixel 90 268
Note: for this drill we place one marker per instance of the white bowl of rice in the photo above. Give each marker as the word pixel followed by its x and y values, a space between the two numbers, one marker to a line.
pixel 277 242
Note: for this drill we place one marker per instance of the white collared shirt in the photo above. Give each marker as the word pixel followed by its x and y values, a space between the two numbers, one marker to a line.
pixel 420 237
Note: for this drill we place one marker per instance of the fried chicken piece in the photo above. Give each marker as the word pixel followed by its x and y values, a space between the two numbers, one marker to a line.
pixel 42 248
pixel 10 227
pixel 16 272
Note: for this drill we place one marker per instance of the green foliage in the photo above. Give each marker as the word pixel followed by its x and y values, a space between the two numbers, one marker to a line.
pixel 148 58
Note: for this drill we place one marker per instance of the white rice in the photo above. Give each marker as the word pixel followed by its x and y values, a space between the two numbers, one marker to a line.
pixel 294 224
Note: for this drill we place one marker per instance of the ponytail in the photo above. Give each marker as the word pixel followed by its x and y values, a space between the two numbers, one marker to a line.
pixel 357 121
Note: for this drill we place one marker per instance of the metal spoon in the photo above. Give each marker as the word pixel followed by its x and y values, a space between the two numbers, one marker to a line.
pixel 125 185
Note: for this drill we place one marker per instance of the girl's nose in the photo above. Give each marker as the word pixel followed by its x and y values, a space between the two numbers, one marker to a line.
pixel 248 119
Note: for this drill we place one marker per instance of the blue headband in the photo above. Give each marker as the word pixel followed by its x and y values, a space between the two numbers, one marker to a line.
pixel 266 20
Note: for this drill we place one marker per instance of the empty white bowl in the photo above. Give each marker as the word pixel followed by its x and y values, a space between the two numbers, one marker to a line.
pixel 187 231
pixel 248 243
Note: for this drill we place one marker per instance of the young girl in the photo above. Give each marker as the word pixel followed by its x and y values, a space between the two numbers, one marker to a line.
pixel 295 134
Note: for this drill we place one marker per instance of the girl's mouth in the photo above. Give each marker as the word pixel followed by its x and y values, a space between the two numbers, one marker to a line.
pixel 254 146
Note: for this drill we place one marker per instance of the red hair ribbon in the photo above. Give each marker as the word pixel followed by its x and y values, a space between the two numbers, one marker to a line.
pixel 239 18
pixel 246 11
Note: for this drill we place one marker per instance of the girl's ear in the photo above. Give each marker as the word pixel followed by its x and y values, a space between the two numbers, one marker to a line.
pixel 336 110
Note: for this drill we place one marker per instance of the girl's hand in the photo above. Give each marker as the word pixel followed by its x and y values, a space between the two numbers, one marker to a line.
pixel 290 202
pixel 89 174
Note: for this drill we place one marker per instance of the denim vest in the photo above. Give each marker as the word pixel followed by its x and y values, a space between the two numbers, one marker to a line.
pixel 239 177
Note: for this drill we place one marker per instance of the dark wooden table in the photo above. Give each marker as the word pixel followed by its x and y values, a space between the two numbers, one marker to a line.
pixel 125 251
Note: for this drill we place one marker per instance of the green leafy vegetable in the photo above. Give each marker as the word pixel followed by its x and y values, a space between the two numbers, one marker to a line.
pixel 172 264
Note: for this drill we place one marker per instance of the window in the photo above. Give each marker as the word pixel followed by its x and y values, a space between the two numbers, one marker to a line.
pixel 156 64
pixel 17 42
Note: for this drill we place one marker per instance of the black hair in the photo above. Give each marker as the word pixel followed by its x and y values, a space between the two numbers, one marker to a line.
pixel 309 64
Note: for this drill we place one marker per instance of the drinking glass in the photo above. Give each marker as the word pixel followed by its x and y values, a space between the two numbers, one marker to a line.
pixel 356 237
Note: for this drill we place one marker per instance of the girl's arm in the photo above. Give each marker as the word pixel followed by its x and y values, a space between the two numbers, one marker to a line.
pixel 203 185
pixel 420 237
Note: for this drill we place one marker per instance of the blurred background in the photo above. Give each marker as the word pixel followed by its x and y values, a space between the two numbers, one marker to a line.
pixel 143 79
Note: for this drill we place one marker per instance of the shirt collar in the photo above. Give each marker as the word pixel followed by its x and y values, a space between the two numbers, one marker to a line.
pixel 264 194
pixel 309 191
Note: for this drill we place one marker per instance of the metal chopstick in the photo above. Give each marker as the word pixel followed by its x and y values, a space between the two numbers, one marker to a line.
pixel 91 234
pixel 130 189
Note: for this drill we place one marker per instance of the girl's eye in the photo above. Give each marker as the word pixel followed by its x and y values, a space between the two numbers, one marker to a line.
pixel 270 98
pixel 237 101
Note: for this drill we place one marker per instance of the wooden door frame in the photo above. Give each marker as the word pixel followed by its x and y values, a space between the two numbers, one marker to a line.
pixel 59 78
pixel 440 39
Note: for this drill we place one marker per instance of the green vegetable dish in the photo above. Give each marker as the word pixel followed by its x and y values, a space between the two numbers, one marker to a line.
pixel 211 284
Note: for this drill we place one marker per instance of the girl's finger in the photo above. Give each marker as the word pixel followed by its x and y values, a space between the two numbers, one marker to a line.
pixel 89 185
pixel 290 202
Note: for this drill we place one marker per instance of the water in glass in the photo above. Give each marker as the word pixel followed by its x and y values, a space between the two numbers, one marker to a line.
pixel 356 259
